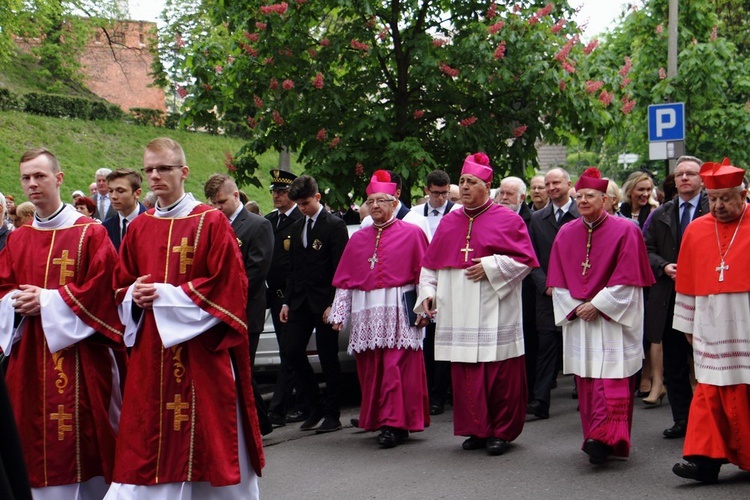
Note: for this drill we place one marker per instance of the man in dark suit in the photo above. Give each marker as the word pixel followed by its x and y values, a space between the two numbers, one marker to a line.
pixel 104 209
pixel 280 408
pixel 663 237
pixel 317 243
pixel 255 237
pixel 543 229
pixel 512 194
pixel 124 186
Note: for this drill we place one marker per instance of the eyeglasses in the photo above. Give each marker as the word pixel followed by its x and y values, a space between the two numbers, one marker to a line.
pixel 439 193
pixel 686 174
pixel 160 169
pixel 379 201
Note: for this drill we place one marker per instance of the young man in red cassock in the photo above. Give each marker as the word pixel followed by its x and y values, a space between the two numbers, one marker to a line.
pixel 189 425
pixel 598 268
pixel 60 330
pixel 381 264
pixel 712 307
pixel 471 283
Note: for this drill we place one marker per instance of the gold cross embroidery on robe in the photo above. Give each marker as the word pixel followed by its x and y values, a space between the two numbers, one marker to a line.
pixel 61 417
pixel 177 406
pixel 64 261
pixel 183 249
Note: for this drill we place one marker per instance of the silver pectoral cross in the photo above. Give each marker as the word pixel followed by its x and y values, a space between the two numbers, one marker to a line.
pixel 720 269
pixel 372 260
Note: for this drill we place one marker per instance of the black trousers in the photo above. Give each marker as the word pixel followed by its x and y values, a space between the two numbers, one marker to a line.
pixel 438 372
pixel 283 398
pixel 677 359
pixel 260 405
pixel 548 353
pixel 300 326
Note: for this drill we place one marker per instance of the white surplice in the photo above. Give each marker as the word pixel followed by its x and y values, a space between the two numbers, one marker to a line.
pixel 607 347
pixel 476 322
pixel 720 326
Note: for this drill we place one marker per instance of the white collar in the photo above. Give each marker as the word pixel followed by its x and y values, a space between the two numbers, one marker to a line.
pixel 180 209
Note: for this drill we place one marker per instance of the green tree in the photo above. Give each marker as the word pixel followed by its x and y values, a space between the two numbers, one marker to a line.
pixel 60 29
pixel 713 81
pixel 357 85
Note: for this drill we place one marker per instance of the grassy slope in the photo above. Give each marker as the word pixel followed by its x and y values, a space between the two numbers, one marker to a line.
pixel 84 146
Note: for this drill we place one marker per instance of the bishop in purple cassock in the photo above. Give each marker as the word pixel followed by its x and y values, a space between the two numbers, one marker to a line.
pixel 598 269
pixel 471 285
pixel 377 271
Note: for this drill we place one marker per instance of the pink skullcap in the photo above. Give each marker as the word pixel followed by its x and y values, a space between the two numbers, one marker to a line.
pixel 381 183
pixel 478 165
pixel 591 178
pixel 721 175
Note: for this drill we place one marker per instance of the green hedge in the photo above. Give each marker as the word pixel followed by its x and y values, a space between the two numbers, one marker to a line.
pixel 8 100
pixel 72 107
pixel 148 116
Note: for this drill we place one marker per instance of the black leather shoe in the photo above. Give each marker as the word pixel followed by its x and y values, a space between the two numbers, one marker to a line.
pixel 574 394
pixel 276 419
pixel 677 430
pixel 596 450
pixel 496 446
pixel 329 425
pixel 537 408
pixel 474 443
pixel 311 421
pixel 691 470
pixel 387 438
pixel 436 409
pixel 354 422
pixel 296 416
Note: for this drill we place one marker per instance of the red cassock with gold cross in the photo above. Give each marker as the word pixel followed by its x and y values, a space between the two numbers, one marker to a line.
pixel 62 399
pixel 182 403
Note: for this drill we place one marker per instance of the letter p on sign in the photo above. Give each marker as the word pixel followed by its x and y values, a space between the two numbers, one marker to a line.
pixel 665 119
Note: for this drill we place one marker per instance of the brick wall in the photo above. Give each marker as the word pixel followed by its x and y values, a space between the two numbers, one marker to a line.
pixel 119 72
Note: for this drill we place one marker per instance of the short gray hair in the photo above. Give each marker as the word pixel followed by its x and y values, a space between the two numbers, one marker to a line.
pixel 103 172
pixel 518 182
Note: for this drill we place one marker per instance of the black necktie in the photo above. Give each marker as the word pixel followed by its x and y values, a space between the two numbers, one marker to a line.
pixel 435 212
pixel 685 219
pixel 309 230
pixel 559 215
pixel 282 218
pixel 124 228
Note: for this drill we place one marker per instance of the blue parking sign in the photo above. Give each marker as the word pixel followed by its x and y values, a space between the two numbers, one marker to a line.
pixel 666 122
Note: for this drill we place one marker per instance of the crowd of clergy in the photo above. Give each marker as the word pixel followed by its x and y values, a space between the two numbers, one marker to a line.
pixel 127 345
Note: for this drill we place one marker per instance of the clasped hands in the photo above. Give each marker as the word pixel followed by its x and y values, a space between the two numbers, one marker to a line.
pixel 587 312
pixel 144 292
pixel 26 301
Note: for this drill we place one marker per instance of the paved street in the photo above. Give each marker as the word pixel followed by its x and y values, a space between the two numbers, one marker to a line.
pixel 544 463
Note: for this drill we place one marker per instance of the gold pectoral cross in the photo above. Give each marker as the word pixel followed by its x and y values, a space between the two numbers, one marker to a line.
pixel 61 417
pixel 466 251
pixel 183 249
pixel 585 266
pixel 64 261
pixel 177 406
pixel 720 269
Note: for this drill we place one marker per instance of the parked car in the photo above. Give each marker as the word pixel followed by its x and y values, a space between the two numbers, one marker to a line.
pixel 267 357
